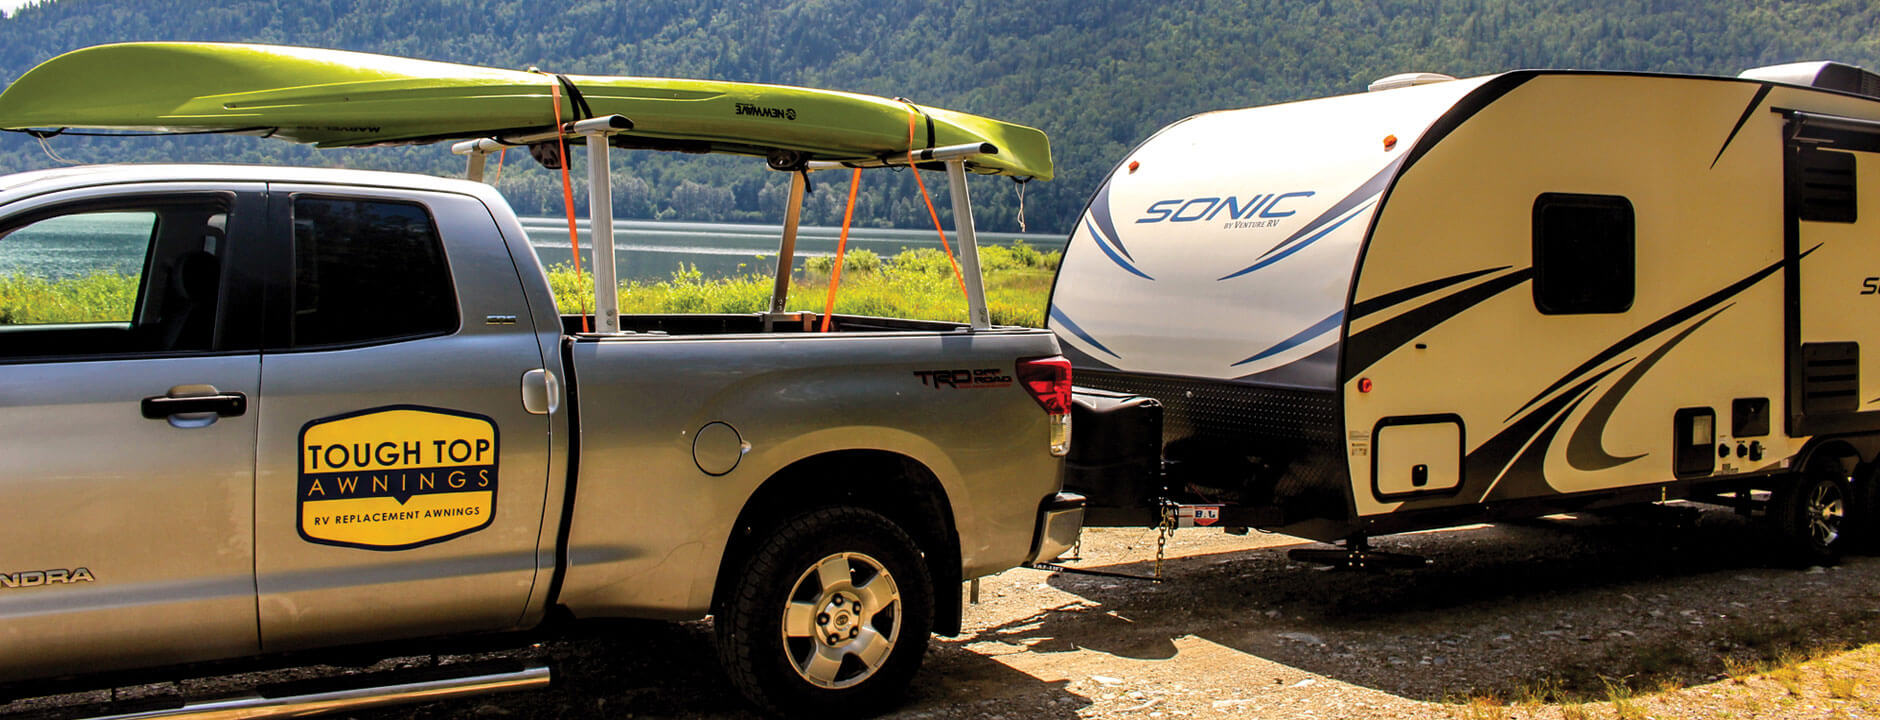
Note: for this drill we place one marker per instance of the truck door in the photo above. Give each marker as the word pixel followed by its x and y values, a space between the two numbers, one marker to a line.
pixel 400 480
pixel 1832 210
pixel 128 372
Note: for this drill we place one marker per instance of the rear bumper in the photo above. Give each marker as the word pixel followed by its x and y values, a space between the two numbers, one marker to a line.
pixel 1060 519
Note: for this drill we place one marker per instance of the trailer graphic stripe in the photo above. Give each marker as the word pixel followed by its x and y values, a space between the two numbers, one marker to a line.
pixel 1663 324
pixel 1527 476
pixel 1368 190
pixel 1369 346
pixel 1106 226
pixel 1585 449
pixel 1485 465
pixel 1331 322
pixel 1394 297
pixel 1269 259
pixel 1058 315
pixel 1104 245
pixel 1754 102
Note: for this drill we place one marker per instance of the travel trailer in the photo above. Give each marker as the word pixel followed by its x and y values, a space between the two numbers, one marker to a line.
pixel 1451 301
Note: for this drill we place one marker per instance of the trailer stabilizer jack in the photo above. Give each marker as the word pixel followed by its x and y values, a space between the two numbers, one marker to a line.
pixel 1358 555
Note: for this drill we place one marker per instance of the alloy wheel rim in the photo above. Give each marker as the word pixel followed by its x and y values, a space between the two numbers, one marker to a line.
pixel 841 620
pixel 1823 512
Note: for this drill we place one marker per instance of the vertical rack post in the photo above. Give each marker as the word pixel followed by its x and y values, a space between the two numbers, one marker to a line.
pixel 786 248
pixel 475 170
pixel 601 233
pixel 976 312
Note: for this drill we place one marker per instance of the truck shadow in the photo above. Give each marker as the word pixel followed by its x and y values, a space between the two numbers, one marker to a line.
pixel 649 669
pixel 1547 609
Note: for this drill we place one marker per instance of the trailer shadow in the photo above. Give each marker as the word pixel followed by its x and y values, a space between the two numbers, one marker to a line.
pixel 1554 609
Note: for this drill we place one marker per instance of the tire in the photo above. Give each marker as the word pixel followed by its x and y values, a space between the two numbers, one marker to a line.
pixel 1812 514
pixel 1863 533
pixel 789 637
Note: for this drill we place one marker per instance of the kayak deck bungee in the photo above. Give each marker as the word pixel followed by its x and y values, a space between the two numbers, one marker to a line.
pixel 335 98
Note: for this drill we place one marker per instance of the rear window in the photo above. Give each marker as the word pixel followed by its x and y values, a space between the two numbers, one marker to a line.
pixel 368 271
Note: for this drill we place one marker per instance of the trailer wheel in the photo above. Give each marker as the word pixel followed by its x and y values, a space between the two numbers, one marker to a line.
pixel 1812 513
pixel 831 615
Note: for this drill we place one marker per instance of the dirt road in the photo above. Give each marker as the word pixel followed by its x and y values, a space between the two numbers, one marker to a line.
pixel 1546 614
pixel 1561 609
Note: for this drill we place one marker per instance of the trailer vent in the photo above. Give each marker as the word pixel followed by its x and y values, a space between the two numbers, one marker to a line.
pixel 1820 74
pixel 1827 191
pixel 1830 378
pixel 1403 80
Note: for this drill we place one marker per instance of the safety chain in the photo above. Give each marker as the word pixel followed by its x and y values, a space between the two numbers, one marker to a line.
pixel 1161 538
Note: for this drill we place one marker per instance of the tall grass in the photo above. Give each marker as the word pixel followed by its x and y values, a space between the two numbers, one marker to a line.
pixel 97 297
pixel 917 284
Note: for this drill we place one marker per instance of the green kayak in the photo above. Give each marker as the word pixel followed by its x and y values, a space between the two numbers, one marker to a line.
pixel 334 98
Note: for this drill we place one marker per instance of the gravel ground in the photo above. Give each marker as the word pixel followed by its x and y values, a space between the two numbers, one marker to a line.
pixel 1564 617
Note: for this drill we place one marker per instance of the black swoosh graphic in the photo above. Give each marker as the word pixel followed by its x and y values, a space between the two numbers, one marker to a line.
pixel 1677 316
pixel 1584 449
pixel 1369 346
pixel 1761 93
pixel 1527 477
pixel 1486 463
pixel 1393 297
pixel 1100 213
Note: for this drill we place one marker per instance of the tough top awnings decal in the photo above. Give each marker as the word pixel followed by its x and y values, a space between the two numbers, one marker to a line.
pixel 396 477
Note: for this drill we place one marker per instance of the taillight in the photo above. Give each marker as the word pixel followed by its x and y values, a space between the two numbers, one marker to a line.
pixel 1048 379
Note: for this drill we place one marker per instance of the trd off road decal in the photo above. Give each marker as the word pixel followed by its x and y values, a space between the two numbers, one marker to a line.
pixel 395 478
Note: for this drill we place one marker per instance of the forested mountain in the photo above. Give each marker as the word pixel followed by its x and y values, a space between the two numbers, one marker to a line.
pixel 1097 75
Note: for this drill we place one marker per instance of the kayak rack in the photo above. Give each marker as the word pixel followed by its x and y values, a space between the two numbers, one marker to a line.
pixel 601 209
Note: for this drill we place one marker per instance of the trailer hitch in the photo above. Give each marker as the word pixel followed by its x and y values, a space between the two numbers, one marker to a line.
pixel 1056 568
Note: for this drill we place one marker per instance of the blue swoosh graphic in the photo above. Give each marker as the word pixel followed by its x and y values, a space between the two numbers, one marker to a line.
pixel 1103 245
pixel 1316 330
pixel 1058 315
pixel 1370 187
pixel 1301 246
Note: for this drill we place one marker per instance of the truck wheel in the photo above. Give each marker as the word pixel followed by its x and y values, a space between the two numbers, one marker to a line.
pixel 1812 513
pixel 831 615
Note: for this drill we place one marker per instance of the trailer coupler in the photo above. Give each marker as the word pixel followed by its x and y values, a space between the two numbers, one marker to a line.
pixel 1358 555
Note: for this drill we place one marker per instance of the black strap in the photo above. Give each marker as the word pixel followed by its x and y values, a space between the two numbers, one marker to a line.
pixel 580 103
pixel 924 116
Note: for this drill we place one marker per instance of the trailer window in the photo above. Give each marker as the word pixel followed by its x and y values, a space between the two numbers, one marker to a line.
pixel 1584 254
pixel 368 271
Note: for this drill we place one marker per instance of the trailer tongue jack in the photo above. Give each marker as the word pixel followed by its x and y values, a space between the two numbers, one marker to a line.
pixel 1356 554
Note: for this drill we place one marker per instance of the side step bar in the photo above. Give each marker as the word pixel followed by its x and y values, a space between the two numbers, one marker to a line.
pixel 262 704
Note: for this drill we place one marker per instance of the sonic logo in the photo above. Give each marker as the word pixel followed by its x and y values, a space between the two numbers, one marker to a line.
pixel 396 478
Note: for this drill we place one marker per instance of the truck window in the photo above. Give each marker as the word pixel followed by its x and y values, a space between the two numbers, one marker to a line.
pixel 368 271
pixel 117 278
pixel 1584 254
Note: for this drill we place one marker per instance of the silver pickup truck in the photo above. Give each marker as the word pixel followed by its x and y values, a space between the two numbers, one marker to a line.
pixel 341 407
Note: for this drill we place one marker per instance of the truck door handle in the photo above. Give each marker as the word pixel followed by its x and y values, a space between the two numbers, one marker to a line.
pixel 229 404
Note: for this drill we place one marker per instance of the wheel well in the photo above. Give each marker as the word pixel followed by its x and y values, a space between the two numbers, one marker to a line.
pixel 894 485
pixel 1836 449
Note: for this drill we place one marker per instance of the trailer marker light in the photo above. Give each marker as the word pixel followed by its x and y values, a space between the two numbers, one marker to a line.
pixel 1390 141
pixel 1133 165
pixel 1364 385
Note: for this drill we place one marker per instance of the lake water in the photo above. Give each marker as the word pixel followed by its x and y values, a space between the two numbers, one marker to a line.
pixel 649 250
pixel 644 249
